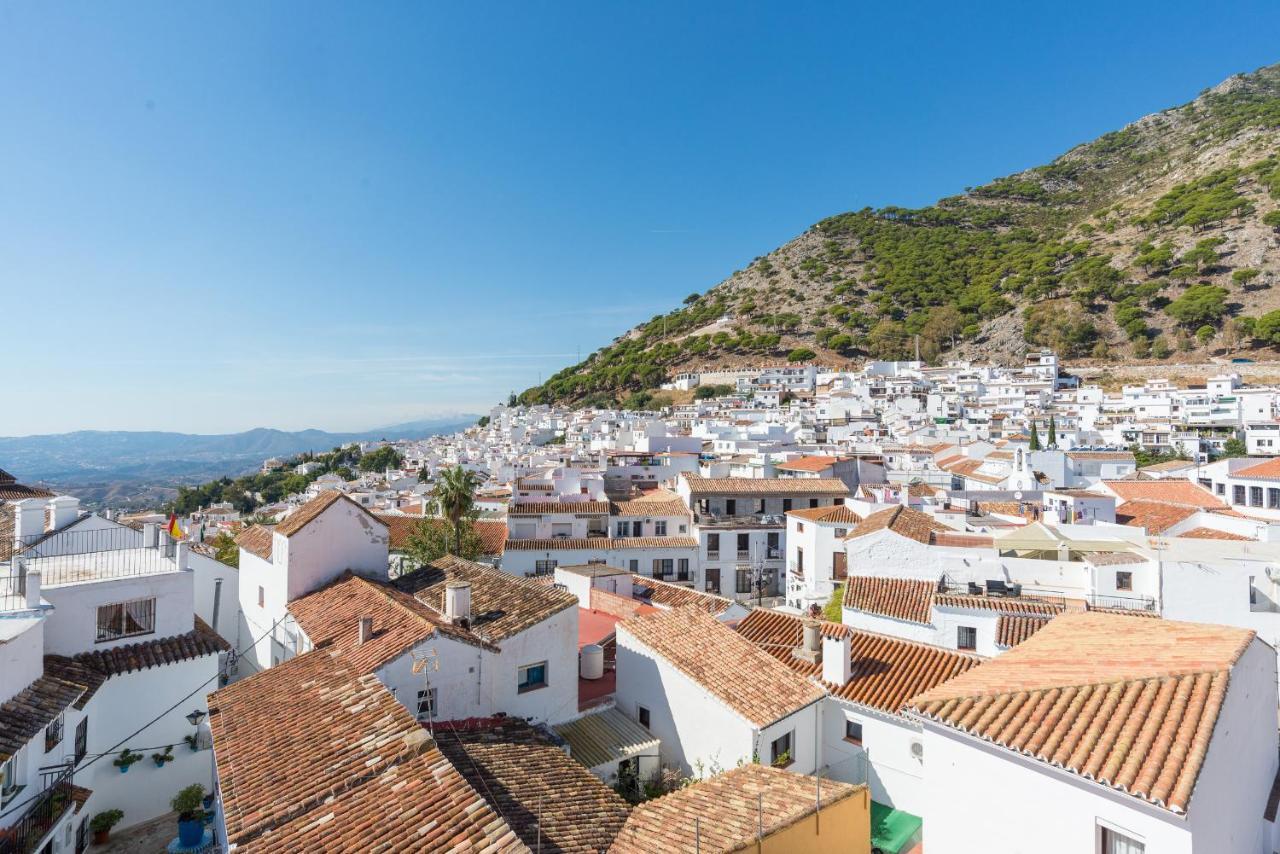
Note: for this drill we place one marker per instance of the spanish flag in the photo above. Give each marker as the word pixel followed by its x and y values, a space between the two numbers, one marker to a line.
pixel 174 529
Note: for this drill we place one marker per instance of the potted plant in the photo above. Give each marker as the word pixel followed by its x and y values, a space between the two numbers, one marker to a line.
pixel 193 741
pixel 102 823
pixel 126 758
pixel 189 805
pixel 161 758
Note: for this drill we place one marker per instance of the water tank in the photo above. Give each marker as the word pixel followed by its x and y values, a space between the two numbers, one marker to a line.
pixel 591 661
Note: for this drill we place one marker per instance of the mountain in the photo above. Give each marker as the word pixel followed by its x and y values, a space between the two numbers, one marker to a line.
pixel 128 466
pixel 1157 240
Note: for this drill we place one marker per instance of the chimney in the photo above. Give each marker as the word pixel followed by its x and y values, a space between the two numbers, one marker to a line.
pixel 457 602
pixel 33 588
pixel 181 555
pixel 837 662
pixel 150 535
pixel 64 509
pixel 810 648
pixel 28 521
pixel 366 630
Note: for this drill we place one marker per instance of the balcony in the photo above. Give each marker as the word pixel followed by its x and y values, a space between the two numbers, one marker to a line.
pixel 1126 603
pixel 740 520
pixel 41 816
pixel 76 557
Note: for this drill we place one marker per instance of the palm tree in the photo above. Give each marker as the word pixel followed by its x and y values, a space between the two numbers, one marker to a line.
pixel 455 497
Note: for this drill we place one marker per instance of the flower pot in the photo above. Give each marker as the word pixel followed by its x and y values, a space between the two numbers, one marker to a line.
pixel 159 762
pixel 190 832
pixel 100 837
pixel 124 769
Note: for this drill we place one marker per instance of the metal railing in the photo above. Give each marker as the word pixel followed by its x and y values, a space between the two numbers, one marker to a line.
pixel 1126 603
pixel 69 557
pixel 46 809
pixel 1011 591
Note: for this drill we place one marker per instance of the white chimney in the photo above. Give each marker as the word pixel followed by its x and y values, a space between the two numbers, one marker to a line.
pixel 28 520
pixel 366 630
pixel 33 588
pixel 810 648
pixel 64 509
pixel 457 601
pixel 837 663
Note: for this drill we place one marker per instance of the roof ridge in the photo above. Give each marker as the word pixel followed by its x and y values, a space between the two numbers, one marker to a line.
pixel 1155 677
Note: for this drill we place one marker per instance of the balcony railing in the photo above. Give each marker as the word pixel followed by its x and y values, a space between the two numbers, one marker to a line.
pixel 40 817
pixel 1128 603
pixel 71 557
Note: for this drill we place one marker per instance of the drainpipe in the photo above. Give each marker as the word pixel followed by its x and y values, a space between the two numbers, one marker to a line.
pixel 217 601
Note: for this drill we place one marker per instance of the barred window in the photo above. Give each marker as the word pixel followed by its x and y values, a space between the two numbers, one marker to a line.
pixel 126 619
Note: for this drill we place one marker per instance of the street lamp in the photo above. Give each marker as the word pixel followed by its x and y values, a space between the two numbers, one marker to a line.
pixel 196 716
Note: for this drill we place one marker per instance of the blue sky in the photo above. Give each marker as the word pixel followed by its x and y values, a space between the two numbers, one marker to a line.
pixel 220 216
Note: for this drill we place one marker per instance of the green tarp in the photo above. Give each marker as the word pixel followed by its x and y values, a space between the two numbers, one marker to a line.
pixel 892 829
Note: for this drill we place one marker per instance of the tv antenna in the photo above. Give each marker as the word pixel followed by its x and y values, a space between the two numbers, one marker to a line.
pixel 426 663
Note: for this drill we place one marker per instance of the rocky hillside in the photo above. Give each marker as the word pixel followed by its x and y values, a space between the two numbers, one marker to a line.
pixel 1156 241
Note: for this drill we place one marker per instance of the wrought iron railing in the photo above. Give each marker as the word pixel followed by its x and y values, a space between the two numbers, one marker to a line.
pixel 40 817
pixel 1127 603
pixel 69 557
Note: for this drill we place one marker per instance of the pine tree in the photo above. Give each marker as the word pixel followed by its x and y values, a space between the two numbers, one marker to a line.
pixel 1053 433
pixel 1035 437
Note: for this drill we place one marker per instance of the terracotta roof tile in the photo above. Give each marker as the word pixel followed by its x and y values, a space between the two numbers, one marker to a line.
pixel 492 532
pixel 729 808
pixel 812 463
pixel 1122 456
pixel 601 543
pixel 579 508
pixel 309 512
pixel 1128 703
pixel 664 594
pixel 1265 470
pixel 256 539
pixel 1001 604
pixel 1169 490
pixel 1013 629
pixel 887 671
pixel 502 604
pixel 749 681
pixel 1212 534
pixel 837 514
pixel 356 772
pixel 659 503
pixel 1154 516
pixel 549 799
pixel 821 486
pixel 23 715
pixel 900 598
pixel 903 521
pixel 143 655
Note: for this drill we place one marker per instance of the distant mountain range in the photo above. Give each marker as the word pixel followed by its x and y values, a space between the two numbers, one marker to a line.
pixel 126 468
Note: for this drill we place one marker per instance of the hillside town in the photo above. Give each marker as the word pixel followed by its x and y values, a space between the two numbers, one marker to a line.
pixel 903 608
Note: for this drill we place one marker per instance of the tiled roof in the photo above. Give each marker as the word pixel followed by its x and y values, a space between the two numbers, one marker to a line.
pixel 1169 465
pixel 1155 516
pixel 538 508
pixel 23 715
pixel 812 463
pixel 11 490
pixel 1114 558
pixel 606 736
pixel 547 798
pixel 70 670
pixel 309 512
pixel 1002 604
pixel 671 505
pixel 331 616
pixel 1102 455
pixel 492 533
pixel 355 772
pixel 1131 704
pixel 601 543
pixel 837 514
pixel 256 539
pixel 1212 534
pixel 900 598
pixel 903 521
pixel 887 671
pixel 749 681
pixel 962 540
pixel 1013 629
pixel 819 486
pixel 143 655
pixel 726 812
pixel 667 595
pixel 1169 490
pixel 1265 470
pixel 502 604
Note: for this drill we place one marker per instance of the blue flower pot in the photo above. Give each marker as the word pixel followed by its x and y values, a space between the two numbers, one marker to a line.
pixel 190 833
pixel 124 769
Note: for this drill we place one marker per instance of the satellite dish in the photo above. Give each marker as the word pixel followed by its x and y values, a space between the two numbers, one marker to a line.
pixel 1017 496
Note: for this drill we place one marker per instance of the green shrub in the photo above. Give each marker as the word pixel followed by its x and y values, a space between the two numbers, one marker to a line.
pixel 801 354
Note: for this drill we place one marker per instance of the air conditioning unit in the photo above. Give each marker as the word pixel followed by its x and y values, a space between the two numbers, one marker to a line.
pixel 917 749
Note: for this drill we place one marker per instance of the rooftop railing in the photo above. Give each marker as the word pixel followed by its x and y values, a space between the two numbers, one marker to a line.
pixel 71 557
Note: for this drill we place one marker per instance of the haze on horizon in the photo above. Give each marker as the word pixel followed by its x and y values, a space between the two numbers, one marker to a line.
pixel 310 215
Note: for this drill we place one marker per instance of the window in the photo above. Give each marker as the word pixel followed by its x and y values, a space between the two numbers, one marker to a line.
pixel 126 619
pixel 545 567
pixel 660 528
pixel 1114 842
pixel 1220 488
pixel 713 580
pixel 1273 498
pixel 8 778
pixel 642 714
pixel 730 507
pixel 1124 580
pixel 813 502
pixel 780 751
pixel 53 733
pixel 713 545
pixel 684 529
pixel 426 704
pixel 82 738
pixel 634 565
pixel 744 545
pixel 786 504
pixel 800 560
pixel 532 677
pixel 799 527
pixel 1253 594
pixel 773 545
pixel 82 837
pixel 1255 496
pixel 743 580
pixel 682 570
pixel 853 732
pixel 662 566
pixel 966 637
pixel 262 598
pixel 624 529
pixel 1237 495
pixel 840 532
